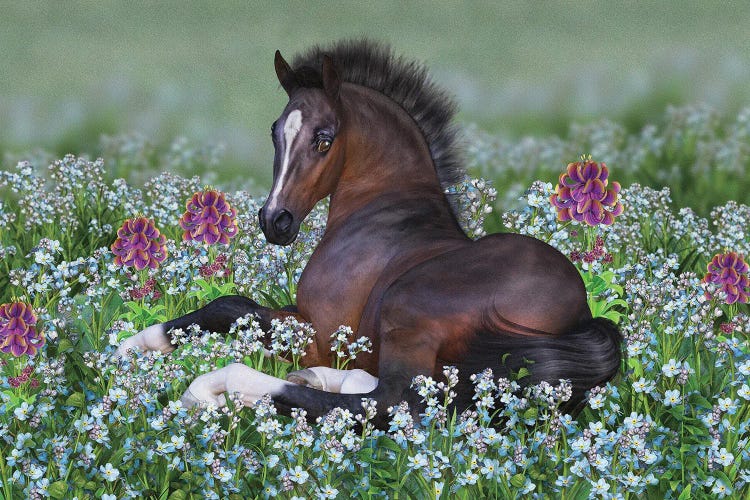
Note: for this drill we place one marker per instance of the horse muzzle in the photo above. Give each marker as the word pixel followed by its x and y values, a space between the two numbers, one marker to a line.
pixel 279 226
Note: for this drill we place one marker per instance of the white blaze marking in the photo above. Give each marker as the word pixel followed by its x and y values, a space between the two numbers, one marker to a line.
pixel 292 126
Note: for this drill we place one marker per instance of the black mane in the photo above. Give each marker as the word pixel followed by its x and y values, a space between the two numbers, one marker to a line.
pixel 373 65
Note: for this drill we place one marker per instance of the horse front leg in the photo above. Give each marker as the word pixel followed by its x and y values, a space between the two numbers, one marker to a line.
pixel 216 316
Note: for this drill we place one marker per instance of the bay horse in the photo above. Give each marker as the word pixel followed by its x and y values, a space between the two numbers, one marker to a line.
pixel 374 133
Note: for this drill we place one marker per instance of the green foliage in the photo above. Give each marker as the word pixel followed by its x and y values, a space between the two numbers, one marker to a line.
pixel 604 296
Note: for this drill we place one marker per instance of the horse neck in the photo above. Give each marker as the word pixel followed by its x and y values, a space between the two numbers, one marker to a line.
pixel 386 156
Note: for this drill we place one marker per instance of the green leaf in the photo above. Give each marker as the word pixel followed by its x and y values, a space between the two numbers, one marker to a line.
pixel 721 475
pixel 134 307
pixel 636 366
pixel 64 345
pixel 390 445
pixel 613 316
pixel 678 412
pixel 685 495
pixel 698 399
pixel 384 473
pixel 518 480
pixel 117 455
pixel 58 489
pixel 80 480
pixel 178 495
pixel 76 399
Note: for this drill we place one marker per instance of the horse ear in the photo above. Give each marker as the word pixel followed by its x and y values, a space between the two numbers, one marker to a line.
pixel 285 74
pixel 331 81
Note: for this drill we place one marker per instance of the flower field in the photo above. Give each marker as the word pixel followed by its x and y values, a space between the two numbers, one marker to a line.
pixel 86 260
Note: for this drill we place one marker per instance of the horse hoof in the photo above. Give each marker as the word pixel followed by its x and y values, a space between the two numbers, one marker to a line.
pixel 189 400
pixel 125 349
pixel 197 394
pixel 307 378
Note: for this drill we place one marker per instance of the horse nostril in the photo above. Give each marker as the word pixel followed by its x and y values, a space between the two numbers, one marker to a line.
pixel 283 222
pixel 261 220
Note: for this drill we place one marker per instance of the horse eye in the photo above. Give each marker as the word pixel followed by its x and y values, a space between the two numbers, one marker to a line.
pixel 323 145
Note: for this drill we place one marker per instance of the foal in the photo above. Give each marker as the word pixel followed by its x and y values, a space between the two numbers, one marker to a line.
pixel 375 134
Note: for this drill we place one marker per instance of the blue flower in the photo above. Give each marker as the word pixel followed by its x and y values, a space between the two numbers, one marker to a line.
pixel 269 490
pixel 489 468
pixel 672 397
pixel 721 489
pixel 23 411
pixel 644 386
pixel 671 368
pixel 418 461
pixel 327 492
pixel 723 457
pixel 298 475
pixel 599 487
pixel 109 473
pixel 727 405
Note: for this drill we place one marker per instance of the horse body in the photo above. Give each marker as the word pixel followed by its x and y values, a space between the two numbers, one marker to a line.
pixel 394 263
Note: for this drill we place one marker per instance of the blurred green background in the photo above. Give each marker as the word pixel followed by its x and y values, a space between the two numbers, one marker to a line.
pixel 72 71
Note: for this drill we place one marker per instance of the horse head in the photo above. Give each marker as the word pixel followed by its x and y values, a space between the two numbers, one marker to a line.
pixel 308 150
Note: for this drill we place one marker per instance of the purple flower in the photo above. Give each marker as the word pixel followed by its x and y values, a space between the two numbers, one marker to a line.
pixel 209 218
pixel 582 194
pixel 18 335
pixel 729 270
pixel 139 244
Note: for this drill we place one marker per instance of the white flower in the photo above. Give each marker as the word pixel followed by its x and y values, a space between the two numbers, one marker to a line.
pixel 600 487
pixel 109 473
pixel 22 412
pixel 643 385
pixel 298 475
pixel 723 457
pixel 672 397
pixel 671 368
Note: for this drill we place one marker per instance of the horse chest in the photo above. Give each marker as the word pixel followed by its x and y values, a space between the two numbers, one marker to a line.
pixel 337 282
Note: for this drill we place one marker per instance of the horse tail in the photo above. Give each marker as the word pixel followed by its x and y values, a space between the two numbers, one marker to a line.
pixel 588 356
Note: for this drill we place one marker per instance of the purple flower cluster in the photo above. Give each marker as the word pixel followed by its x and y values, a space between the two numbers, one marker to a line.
pixel 18 335
pixel 729 270
pixel 595 254
pixel 139 244
pixel 209 218
pixel 582 194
